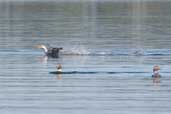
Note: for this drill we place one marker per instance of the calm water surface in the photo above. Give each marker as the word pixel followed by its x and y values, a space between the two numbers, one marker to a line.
pixel 126 38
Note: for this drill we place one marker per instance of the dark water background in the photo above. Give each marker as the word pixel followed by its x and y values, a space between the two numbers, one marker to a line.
pixel 127 38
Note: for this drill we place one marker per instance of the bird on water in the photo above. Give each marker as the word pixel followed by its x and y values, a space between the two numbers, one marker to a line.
pixel 52 52
pixel 59 68
pixel 156 71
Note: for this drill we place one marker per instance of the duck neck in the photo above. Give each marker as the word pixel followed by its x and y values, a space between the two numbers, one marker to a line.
pixel 44 48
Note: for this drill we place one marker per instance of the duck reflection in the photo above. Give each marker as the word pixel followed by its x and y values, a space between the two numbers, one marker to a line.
pixel 43 59
pixel 156 81
pixel 59 76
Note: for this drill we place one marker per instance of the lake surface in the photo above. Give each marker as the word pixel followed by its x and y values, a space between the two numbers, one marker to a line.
pixel 119 41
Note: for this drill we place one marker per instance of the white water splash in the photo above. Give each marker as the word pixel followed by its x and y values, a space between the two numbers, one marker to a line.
pixel 76 50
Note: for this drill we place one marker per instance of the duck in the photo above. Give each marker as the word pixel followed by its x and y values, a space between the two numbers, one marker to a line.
pixel 51 52
pixel 59 68
pixel 156 71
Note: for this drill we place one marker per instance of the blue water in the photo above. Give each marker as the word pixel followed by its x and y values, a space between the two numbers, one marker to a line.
pixel 109 50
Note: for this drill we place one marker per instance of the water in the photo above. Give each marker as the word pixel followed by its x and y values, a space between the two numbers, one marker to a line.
pixel 125 38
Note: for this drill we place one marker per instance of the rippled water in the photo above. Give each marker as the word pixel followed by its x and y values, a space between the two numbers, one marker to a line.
pixel 112 47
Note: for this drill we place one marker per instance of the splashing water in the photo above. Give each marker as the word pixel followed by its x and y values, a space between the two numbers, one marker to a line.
pixel 76 50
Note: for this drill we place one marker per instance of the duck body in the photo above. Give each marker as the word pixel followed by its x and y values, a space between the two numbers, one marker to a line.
pixel 59 69
pixel 156 72
pixel 156 76
pixel 53 52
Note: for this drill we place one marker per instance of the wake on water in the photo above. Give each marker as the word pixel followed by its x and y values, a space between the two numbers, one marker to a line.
pixel 126 52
